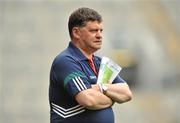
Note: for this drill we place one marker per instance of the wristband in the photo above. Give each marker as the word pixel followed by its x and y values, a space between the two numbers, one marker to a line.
pixel 100 87
pixel 104 88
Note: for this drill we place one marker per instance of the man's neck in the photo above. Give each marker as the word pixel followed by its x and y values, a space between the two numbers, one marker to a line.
pixel 85 52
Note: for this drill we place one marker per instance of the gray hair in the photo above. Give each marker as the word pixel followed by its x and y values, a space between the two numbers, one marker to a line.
pixel 81 16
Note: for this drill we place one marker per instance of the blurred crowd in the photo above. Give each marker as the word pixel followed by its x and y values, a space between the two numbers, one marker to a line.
pixel 142 36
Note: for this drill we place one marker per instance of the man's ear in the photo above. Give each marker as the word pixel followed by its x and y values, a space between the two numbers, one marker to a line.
pixel 75 32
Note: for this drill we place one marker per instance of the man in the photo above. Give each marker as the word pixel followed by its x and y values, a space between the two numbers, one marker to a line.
pixel 74 95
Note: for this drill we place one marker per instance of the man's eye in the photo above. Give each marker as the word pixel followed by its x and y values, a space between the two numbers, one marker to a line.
pixel 96 30
pixel 93 30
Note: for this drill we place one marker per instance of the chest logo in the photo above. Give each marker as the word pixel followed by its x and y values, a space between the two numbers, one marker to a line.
pixel 92 77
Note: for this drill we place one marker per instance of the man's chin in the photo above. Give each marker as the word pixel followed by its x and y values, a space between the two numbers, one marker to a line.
pixel 97 48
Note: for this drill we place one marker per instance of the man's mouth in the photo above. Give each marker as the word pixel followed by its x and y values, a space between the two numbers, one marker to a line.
pixel 98 41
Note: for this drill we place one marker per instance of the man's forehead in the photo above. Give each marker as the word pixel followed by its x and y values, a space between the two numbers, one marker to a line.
pixel 94 24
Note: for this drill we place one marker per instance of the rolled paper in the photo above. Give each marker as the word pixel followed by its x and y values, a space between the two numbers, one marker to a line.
pixel 108 71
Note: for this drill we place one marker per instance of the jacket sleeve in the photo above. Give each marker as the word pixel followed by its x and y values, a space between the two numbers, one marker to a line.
pixel 70 75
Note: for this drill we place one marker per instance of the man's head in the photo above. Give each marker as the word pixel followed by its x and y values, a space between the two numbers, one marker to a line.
pixel 85 28
pixel 81 16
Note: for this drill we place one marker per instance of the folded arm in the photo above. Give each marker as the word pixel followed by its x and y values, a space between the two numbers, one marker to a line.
pixel 119 92
pixel 93 99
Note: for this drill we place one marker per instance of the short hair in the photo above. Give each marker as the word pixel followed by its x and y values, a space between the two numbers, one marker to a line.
pixel 81 16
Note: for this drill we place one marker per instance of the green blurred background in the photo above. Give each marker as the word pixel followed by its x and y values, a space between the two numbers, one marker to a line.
pixel 142 36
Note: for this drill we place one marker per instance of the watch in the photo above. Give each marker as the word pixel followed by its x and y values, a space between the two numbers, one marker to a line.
pixel 104 88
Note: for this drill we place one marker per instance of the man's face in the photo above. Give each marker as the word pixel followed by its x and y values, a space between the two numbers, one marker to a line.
pixel 90 36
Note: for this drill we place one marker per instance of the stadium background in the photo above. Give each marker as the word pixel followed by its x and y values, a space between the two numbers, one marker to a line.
pixel 142 36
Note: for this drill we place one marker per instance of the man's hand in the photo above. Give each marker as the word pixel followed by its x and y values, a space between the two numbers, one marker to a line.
pixel 93 99
pixel 119 92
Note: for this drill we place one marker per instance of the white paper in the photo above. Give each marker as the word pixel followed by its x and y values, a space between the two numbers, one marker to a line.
pixel 108 71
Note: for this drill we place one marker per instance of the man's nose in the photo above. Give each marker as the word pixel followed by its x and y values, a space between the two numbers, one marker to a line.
pixel 99 34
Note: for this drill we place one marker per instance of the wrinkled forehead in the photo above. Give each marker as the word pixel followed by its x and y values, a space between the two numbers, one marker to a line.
pixel 93 24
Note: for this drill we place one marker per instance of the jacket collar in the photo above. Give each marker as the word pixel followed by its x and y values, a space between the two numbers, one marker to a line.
pixel 76 52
